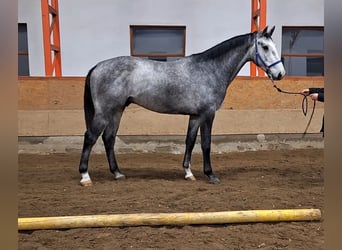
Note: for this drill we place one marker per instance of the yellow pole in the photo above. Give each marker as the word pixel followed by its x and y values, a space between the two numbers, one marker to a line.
pixel 116 220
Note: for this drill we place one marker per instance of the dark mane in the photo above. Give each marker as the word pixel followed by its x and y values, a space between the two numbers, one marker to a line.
pixel 222 47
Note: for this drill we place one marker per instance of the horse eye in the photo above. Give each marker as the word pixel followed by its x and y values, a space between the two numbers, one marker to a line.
pixel 265 47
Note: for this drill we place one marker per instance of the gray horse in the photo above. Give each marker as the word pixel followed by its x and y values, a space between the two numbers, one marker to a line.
pixel 194 85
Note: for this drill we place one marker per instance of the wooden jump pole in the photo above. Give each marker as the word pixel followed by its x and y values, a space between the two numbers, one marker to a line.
pixel 143 219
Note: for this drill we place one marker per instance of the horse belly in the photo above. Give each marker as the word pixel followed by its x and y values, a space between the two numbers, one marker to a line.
pixel 168 104
pixel 173 98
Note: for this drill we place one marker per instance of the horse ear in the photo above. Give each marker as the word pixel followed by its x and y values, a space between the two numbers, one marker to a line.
pixel 264 31
pixel 271 32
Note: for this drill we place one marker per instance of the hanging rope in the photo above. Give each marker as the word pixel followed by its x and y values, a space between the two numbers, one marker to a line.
pixel 304 104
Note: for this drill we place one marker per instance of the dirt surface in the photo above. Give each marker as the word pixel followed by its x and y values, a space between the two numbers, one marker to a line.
pixel 282 179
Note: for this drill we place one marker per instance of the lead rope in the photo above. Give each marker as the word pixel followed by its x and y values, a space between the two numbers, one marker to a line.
pixel 304 104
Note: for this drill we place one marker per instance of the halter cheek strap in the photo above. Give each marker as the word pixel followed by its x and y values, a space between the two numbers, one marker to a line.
pixel 258 57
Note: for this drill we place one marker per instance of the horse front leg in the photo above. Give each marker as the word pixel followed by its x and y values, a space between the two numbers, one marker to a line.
pixel 206 128
pixel 189 146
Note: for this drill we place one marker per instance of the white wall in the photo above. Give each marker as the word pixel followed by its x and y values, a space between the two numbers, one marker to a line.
pixel 94 30
pixel 294 13
pixel 100 31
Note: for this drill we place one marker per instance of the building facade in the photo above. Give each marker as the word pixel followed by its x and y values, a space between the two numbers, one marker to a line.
pixel 91 31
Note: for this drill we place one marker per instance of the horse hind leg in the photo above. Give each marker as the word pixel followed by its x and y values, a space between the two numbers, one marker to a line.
pixel 90 137
pixel 108 138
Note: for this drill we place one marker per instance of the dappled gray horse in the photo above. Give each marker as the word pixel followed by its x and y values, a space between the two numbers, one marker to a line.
pixel 194 85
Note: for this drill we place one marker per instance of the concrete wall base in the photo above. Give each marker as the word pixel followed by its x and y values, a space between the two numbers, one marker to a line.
pixel 171 143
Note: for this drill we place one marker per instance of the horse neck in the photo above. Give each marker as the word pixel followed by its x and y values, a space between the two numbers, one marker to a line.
pixel 233 60
pixel 227 58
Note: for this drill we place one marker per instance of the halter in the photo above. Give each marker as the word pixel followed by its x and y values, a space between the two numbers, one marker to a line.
pixel 258 57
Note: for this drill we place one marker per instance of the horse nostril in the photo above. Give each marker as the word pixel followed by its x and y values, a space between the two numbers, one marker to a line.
pixel 279 76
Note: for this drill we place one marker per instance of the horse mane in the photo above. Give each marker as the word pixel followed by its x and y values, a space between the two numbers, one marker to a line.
pixel 221 48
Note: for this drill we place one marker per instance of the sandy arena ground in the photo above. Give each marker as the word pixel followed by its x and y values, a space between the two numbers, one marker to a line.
pixel 278 179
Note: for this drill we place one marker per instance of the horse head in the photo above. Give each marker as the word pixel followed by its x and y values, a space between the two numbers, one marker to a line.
pixel 266 56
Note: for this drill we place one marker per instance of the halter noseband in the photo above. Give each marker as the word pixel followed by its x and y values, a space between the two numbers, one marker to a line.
pixel 258 57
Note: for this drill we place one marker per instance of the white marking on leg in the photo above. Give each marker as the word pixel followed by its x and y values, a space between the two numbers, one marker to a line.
pixel 188 174
pixel 85 176
pixel 86 181
pixel 119 176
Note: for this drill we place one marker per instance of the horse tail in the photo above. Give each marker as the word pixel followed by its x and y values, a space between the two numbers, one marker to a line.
pixel 88 100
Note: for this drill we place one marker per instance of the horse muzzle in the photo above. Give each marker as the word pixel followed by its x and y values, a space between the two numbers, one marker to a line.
pixel 279 76
pixel 275 76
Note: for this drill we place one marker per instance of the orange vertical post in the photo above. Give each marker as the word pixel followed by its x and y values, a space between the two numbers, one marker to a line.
pixel 51 38
pixel 258 22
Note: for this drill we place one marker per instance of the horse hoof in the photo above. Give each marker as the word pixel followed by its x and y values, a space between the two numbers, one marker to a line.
pixel 190 178
pixel 214 180
pixel 87 183
pixel 119 176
